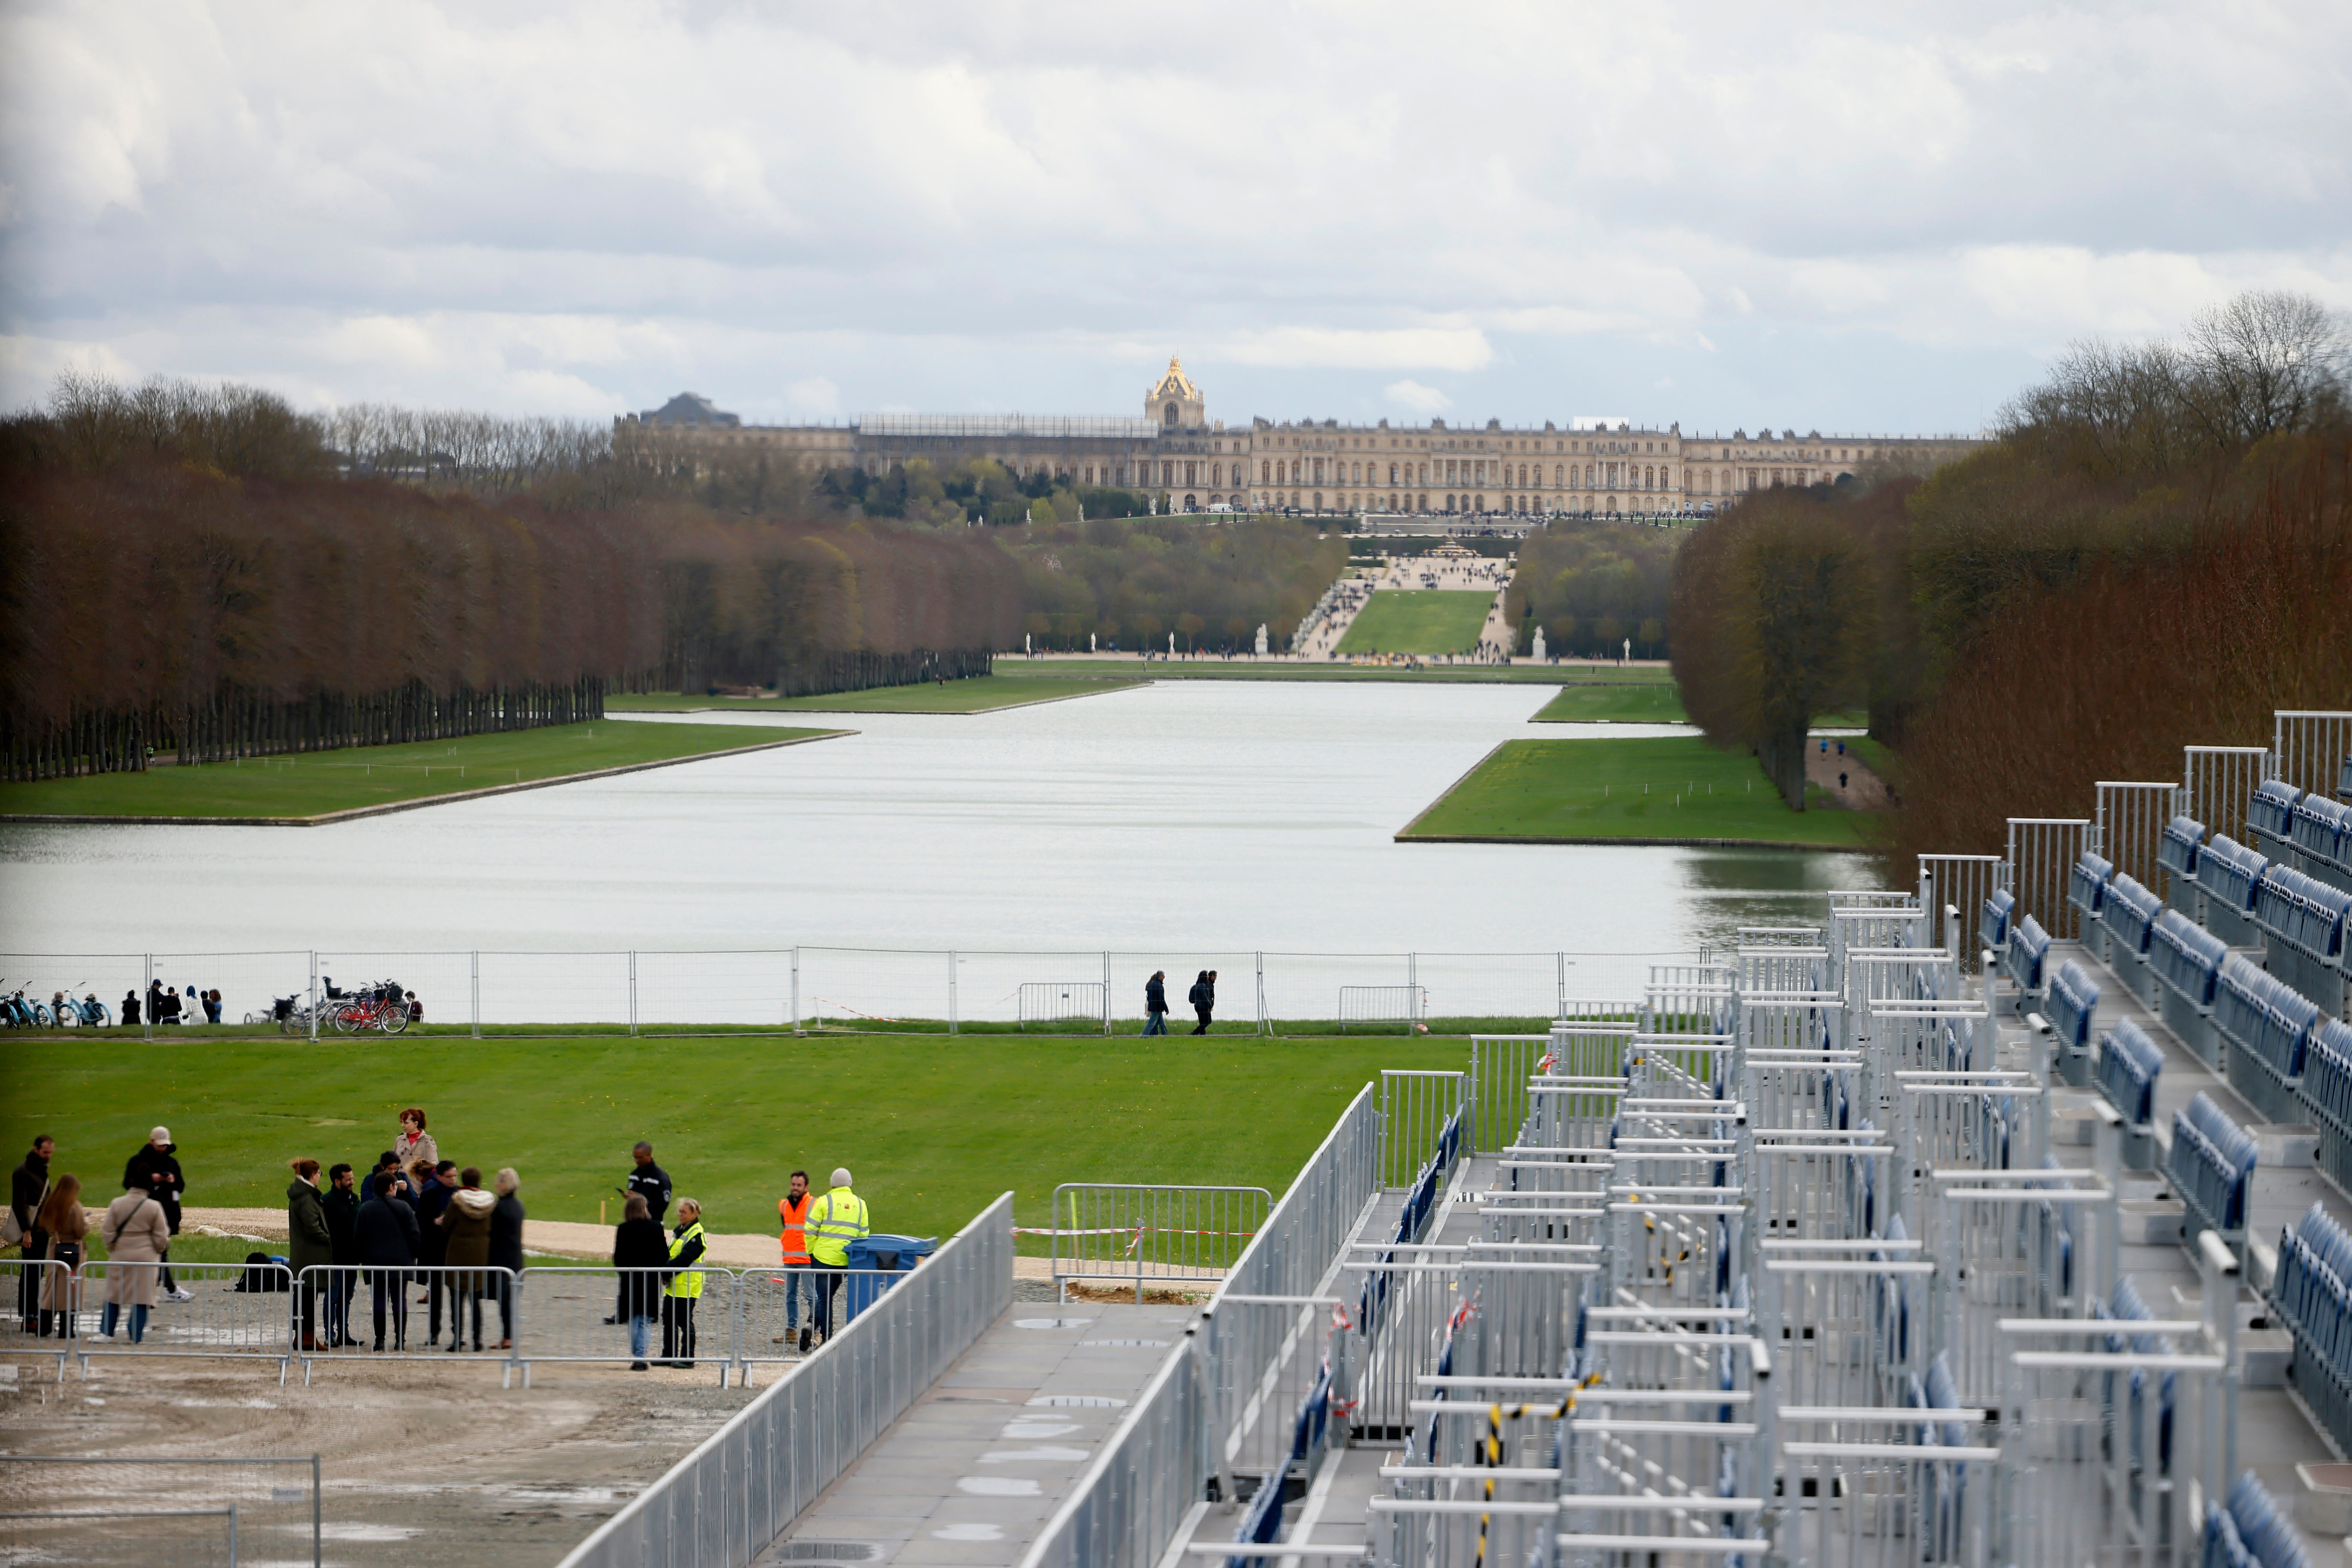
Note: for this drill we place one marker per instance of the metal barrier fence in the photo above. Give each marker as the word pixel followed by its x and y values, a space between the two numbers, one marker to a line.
pixel 1952 889
pixel 723 1505
pixel 828 989
pixel 2131 818
pixel 2042 855
pixel 2308 749
pixel 2221 781
pixel 1417 1106
pixel 244 1494
pixel 235 1311
pixel 1167 1237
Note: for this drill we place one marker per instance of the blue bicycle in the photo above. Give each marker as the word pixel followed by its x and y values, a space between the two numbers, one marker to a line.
pixel 90 1012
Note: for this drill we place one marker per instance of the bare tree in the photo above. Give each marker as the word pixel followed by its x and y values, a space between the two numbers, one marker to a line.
pixel 2267 361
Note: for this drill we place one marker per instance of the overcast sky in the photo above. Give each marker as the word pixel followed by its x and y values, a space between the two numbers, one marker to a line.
pixel 1863 218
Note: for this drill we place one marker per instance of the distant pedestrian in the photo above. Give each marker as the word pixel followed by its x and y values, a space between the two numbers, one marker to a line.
pixel 792 1210
pixel 388 1240
pixel 1155 1002
pixel 648 1181
pixel 683 1287
pixel 640 1256
pixel 136 1239
pixel 154 1001
pixel 1203 997
pixel 341 1200
pixel 309 1245
pixel 506 1250
pixel 155 1170
pixel 835 1220
pixel 28 1189
pixel 415 1143
pixel 212 1006
pixel 131 1009
pixel 66 1230
pixel 467 1252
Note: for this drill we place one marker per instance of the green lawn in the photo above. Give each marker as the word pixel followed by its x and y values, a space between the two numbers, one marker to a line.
pixel 955 697
pixel 1674 787
pixel 1651 703
pixel 932 1129
pixel 313 782
pixel 1418 620
pixel 1270 669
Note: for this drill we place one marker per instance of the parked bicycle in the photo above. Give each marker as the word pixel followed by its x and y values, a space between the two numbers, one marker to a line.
pixel 383 1007
pixel 88 1013
pixel 20 1013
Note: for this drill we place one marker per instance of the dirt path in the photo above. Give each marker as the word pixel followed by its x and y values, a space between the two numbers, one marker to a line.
pixel 1848 778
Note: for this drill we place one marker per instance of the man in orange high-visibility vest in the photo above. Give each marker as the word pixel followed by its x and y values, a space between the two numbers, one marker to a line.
pixel 793 1211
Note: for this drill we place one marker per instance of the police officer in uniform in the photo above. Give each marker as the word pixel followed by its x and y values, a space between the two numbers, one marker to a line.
pixel 650 1180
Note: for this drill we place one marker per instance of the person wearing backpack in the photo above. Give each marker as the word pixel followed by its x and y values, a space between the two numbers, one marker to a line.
pixel 136 1239
pixel 1203 997
pixel 28 1186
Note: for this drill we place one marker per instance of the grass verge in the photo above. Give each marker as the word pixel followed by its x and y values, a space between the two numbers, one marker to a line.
pixel 1673 788
pixel 1649 702
pixel 1270 669
pixel 1418 620
pixel 316 783
pixel 952 697
pixel 931 1133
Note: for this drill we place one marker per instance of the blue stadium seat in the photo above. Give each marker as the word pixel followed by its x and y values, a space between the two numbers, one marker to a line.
pixel 2256 1525
pixel 2129 1063
pixel 2177 852
pixel 2130 915
pixel 2086 884
pixel 2270 812
pixel 2228 872
pixel 2326 1096
pixel 2212 1167
pixel 2310 1292
pixel 1992 924
pixel 2269 1026
pixel 2302 911
pixel 2322 829
pixel 2025 961
pixel 2186 956
pixel 2074 998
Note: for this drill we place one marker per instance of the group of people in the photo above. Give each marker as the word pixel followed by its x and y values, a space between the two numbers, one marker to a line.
pixel 163 1006
pixel 1203 998
pixel 47 1222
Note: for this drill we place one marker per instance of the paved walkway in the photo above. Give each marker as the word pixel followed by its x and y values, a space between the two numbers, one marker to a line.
pixel 972 1473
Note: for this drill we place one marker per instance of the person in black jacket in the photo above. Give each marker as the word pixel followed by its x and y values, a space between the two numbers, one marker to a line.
pixel 506 1250
pixel 1155 1002
pixel 1204 998
pixel 341 1202
pixel 28 1186
pixel 432 1196
pixel 650 1182
pixel 385 1231
pixel 131 1009
pixel 638 1243
pixel 154 1170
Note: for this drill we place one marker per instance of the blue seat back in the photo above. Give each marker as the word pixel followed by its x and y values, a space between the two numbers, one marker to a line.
pixel 2177 851
pixel 2326 1085
pixel 2323 827
pixel 2129 1063
pixel 2303 909
pixel 2263 1525
pixel 2271 808
pixel 2130 913
pixel 2213 1162
pixel 2074 998
pixel 1992 924
pixel 2029 951
pixel 2229 871
pixel 2186 956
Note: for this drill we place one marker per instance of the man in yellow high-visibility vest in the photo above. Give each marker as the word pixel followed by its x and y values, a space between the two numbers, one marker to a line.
pixel 685 1287
pixel 835 1221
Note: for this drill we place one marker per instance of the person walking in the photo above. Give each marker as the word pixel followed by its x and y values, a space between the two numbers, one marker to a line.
pixel 1203 997
pixel 388 1240
pixel 415 1143
pixel 506 1251
pixel 1155 1002
pixel 28 1189
pixel 640 1256
pixel 136 1239
pixel 792 1210
pixel 685 1287
pixel 66 1230
pixel 835 1220
pixel 650 1182
pixel 309 1245
pixel 467 1219
pixel 153 1170
pixel 433 1189
pixel 341 1202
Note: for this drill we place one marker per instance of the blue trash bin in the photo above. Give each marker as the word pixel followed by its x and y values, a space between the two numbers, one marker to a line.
pixel 892 1256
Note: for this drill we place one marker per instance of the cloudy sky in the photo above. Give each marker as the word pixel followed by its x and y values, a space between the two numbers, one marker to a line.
pixel 1858 218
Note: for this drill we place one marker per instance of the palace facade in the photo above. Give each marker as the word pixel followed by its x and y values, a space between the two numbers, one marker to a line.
pixel 1586 467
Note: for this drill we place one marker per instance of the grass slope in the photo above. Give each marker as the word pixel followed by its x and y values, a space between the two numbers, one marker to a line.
pixel 1669 787
pixel 313 782
pixel 1271 670
pixel 1650 702
pixel 955 697
pixel 1418 620
pixel 932 1129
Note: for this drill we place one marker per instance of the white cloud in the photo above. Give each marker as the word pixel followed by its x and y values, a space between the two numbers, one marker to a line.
pixel 1419 399
pixel 804 209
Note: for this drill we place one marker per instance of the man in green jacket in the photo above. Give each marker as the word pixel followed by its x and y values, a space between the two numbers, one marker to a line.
pixel 835 1221
pixel 309 1244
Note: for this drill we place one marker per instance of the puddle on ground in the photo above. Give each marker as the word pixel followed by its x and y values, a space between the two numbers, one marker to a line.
pixel 1031 1429
pixel 1044 1453
pixel 968 1532
pixel 998 1486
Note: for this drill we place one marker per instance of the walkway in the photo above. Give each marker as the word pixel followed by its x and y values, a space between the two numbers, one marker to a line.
pixel 971 1474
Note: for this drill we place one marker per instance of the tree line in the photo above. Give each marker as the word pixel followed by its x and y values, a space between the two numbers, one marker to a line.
pixel 2153 552
pixel 1133 584
pixel 1592 587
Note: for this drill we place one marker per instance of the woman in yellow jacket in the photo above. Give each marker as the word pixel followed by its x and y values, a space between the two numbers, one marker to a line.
pixel 685 1287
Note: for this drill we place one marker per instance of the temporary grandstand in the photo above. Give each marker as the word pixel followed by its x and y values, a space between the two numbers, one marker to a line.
pixel 1999 1222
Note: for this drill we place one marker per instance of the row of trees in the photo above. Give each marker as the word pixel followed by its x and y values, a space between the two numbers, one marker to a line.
pixel 1136 582
pixel 978 490
pixel 2153 554
pixel 1593 585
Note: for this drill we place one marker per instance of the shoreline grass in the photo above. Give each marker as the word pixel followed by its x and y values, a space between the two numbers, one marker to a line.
pixel 1674 788
pixel 985 696
pixel 1084 668
pixel 1648 702
pixel 308 785
pixel 1418 621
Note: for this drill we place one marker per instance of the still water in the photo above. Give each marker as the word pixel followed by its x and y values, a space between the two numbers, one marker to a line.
pixel 1207 814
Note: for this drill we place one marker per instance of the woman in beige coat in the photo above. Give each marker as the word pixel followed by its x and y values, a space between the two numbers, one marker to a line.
pixel 68 1229
pixel 136 1234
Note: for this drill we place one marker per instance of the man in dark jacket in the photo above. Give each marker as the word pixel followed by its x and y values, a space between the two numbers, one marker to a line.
pixel 27 1188
pixel 1204 998
pixel 341 1201
pixel 385 1231
pixel 433 1251
pixel 154 1170
pixel 1155 1002
pixel 649 1180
